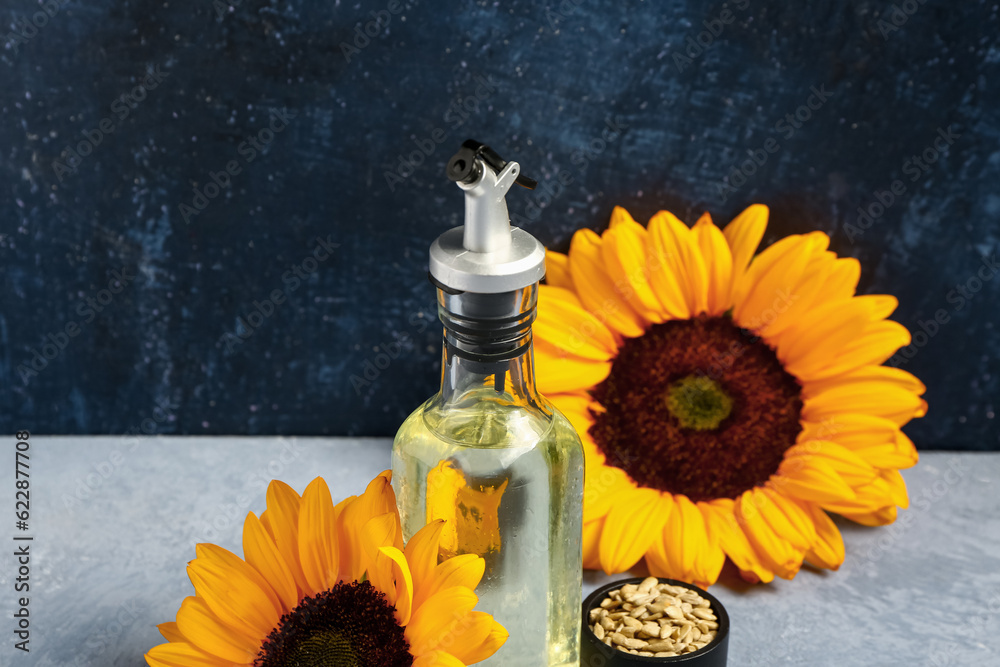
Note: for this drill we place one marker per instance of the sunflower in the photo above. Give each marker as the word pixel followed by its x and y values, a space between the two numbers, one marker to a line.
pixel 330 585
pixel 725 405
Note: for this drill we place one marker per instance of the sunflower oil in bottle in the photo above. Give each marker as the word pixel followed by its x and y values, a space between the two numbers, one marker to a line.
pixel 487 453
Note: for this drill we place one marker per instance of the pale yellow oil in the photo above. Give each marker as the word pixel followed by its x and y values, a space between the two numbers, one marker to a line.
pixel 509 480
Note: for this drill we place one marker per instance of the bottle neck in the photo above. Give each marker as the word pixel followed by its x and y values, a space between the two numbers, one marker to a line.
pixel 487 346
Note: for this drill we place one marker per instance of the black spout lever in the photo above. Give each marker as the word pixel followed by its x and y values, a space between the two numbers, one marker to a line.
pixel 463 167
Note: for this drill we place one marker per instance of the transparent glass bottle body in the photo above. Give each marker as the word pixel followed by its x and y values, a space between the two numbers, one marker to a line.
pixel 504 468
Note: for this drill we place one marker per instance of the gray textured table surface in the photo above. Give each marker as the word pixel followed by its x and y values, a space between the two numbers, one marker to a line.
pixel 115 522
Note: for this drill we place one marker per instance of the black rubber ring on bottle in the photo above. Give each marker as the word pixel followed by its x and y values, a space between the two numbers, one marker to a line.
pixel 487 358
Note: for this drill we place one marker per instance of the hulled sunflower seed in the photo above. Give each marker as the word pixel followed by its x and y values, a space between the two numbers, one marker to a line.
pixel 627 642
pixel 648 584
pixel 674 612
pixel 660 645
pixel 651 629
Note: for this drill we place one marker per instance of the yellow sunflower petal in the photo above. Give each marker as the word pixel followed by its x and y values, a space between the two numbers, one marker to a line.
pixel 888 374
pixel 828 548
pixel 202 628
pixel 422 555
pixel 603 491
pixel 718 263
pixel 572 329
pixel 876 440
pixel 631 529
pixel 878 398
pixel 171 632
pixel 282 522
pixel 768 286
pixel 684 540
pixel 318 541
pixel 592 544
pixel 624 253
pixel 467 641
pixel 766 505
pixel 263 555
pixel 559 372
pixel 677 244
pixel 872 505
pixel 880 517
pixel 849 466
pixel 743 234
pixel 377 500
pixel 848 429
pixel 346 546
pixel 807 295
pixel 897 487
pixel 880 306
pixel 557 270
pixel 659 562
pixel 595 288
pixel 665 270
pixel 437 659
pixel 384 501
pixel 843 280
pixel 720 518
pixel 875 344
pixel 231 604
pixel 687 550
pixel 235 592
pixel 462 570
pixel 402 584
pixel 576 408
pixel 799 522
pixel 620 217
pixel 378 532
pixel 776 552
pixel 897 453
pixel 594 460
pixel 603 488
pixel 563 294
pixel 604 478
pixel 181 654
pixel 709 565
pixel 809 477
pixel 820 336
pixel 492 643
pixel 825 280
pixel 430 623
pixel 905 450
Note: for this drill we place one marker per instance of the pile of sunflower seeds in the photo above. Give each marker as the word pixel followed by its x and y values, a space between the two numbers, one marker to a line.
pixel 654 619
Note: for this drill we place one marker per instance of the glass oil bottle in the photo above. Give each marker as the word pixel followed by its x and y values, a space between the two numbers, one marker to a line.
pixel 487 453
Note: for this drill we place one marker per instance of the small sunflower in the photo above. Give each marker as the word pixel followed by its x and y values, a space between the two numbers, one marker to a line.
pixel 725 405
pixel 330 586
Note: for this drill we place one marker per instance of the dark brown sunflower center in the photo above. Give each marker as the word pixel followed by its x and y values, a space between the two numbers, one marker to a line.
pixel 699 407
pixel 350 625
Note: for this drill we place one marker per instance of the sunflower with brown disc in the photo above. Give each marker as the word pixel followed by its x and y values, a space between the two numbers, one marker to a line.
pixel 324 585
pixel 726 402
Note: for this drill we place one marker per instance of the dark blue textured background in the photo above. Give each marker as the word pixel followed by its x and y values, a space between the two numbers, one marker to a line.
pixel 162 356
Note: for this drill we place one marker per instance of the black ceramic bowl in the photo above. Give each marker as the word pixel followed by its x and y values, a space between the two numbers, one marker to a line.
pixel 594 653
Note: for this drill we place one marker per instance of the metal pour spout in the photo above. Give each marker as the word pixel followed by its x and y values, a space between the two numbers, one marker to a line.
pixel 485 177
pixel 486 255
